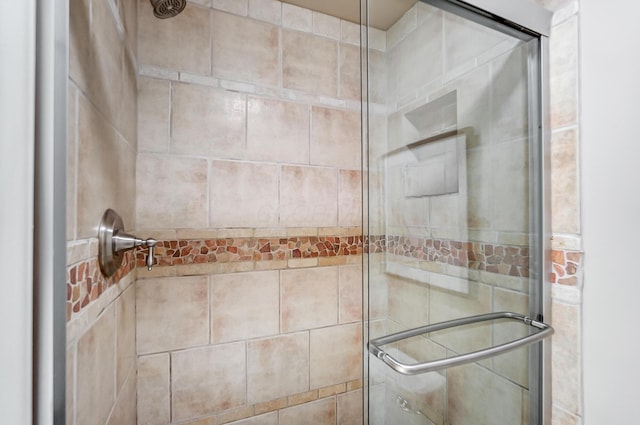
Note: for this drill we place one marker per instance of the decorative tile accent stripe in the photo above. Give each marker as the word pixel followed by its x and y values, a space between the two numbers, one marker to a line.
pixel 85 282
pixel 503 259
pixel 566 266
pixel 228 250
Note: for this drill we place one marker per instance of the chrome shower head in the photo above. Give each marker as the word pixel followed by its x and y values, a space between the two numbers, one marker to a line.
pixel 164 9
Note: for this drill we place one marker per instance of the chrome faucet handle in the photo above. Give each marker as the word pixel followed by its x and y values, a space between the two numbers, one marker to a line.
pixel 113 241
pixel 150 243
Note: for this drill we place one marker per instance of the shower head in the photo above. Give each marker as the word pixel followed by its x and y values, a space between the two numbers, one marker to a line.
pixel 164 9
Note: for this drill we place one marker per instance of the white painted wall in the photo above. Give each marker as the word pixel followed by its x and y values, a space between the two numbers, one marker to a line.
pixel 17 79
pixel 610 75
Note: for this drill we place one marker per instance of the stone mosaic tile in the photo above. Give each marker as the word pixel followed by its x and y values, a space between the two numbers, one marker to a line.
pixel 566 267
pixel 85 282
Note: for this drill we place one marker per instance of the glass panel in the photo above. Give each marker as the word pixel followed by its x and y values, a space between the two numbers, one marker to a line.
pixel 452 128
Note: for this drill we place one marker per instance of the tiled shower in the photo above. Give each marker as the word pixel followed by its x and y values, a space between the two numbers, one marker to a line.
pixel 232 134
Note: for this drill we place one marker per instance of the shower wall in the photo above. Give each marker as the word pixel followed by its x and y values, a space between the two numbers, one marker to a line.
pixel 248 173
pixel 475 239
pixel 102 140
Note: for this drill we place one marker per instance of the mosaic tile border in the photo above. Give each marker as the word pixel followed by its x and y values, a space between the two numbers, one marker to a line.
pixel 86 283
pixel 229 250
pixel 566 267
pixel 508 260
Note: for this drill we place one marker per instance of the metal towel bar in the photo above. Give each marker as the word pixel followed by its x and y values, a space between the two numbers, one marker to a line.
pixel 414 369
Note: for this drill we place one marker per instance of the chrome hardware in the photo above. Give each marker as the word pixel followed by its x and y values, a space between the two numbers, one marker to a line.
pixel 113 241
pixel 430 366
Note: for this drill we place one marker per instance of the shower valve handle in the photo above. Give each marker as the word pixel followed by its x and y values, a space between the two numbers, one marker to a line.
pixel 124 241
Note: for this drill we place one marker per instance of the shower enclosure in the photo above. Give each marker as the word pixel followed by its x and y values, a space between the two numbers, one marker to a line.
pixel 456 223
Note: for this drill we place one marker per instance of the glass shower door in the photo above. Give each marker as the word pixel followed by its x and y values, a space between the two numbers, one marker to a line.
pixel 454 219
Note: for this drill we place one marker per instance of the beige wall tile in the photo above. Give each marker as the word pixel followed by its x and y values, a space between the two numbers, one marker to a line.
pixel 153 115
pixel 80 42
pixel 350 86
pixel 326 25
pixel 335 355
pixel 207 121
pixel 511 187
pixel 417 60
pixel 308 196
pixel 466 40
pixel 563 69
pixel 277 367
pixel 208 380
pixel 349 198
pixel 560 417
pixel 321 412
pixel 237 7
pixel 125 335
pixel 308 298
pixel 244 194
pixel 107 54
pixel 479 188
pixel 515 364
pixel 235 59
pixel 124 411
pixel 309 63
pixel 350 32
pixel 266 419
pixel 350 293
pixel 297 18
pixel 171 192
pixel 476 395
pixel 266 10
pixel 407 301
pixel 171 313
pixel 566 357
pixel 335 138
pixel 127 118
pixel 277 131
pixel 446 305
pixel 181 43
pixel 244 305
pixel 96 371
pixel 565 195
pixel 509 105
pixel 105 171
pixel 129 13
pixel 153 391
pixel 377 78
pixel 350 408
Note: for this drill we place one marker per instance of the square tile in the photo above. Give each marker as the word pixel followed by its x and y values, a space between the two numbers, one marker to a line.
pixel 321 412
pixel 309 63
pixel 153 392
pixel 207 121
pixel 277 367
pixel 244 194
pixel 153 114
pixel 244 305
pixel 178 185
pixel 308 298
pixel 308 197
pixel 350 293
pixel 335 138
pixel 277 131
pixel 236 59
pixel 208 380
pixel 172 313
pixel 335 355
